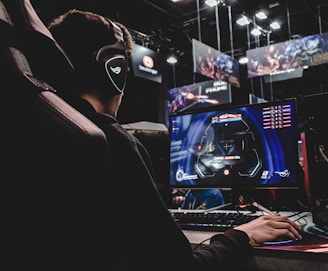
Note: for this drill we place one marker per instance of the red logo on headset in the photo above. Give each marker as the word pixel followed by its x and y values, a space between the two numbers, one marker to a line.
pixel 148 62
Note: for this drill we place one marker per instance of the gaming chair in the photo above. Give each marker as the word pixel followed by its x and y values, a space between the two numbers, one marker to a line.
pixel 55 170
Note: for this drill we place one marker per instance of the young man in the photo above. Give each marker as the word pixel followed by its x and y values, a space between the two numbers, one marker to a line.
pixel 140 233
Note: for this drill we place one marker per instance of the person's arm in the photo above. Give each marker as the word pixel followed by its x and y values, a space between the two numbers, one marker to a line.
pixel 225 251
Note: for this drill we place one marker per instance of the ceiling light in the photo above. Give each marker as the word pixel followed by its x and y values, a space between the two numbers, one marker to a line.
pixel 243 21
pixel 261 15
pixel 243 60
pixel 275 25
pixel 172 60
pixel 211 3
pixel 256 32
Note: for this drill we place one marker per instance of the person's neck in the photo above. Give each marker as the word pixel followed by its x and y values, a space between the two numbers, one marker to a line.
pixel 101 106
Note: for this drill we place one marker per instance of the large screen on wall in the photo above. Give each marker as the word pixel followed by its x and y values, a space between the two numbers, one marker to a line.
pixel 246 146
pixel 146 63
pixel 199 95
pixel 286 57
pixel 211 63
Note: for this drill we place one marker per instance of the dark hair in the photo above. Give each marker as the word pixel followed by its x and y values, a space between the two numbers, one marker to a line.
pixel 81 34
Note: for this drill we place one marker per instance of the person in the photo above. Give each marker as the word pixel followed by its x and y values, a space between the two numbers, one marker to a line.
pixel 140 233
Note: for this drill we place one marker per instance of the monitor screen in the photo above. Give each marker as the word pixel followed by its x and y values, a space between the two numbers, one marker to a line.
pixel 244 146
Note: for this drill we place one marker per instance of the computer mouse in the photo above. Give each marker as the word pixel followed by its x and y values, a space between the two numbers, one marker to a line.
pixel 281 240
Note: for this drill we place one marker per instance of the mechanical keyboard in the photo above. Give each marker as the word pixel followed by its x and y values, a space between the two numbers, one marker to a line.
pixel 218 221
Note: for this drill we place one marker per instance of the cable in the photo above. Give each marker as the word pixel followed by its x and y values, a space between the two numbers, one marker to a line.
pixel 301 219
pixel 262 208
pixel 306 208
pixel 201 243
pixel 222 206
pixel 321 150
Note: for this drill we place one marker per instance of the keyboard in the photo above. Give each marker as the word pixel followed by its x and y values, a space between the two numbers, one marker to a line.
pixel 215 221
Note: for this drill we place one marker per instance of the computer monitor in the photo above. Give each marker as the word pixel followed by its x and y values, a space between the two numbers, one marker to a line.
pixel 253 146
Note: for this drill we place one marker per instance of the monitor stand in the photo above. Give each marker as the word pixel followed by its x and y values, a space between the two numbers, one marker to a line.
pixel 240 201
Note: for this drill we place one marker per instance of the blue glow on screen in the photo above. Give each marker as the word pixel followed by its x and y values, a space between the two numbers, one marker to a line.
pixel 250 145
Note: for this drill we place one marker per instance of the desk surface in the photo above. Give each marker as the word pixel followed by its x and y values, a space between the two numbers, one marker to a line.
pixel 311 253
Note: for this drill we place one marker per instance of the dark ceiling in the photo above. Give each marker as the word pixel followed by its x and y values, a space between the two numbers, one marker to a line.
pixel 170 26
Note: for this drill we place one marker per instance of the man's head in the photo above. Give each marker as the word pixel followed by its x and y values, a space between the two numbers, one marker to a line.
pixel 97 48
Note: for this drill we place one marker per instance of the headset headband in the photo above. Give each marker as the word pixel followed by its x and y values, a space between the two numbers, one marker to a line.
pixel 118 33
pixel 113 62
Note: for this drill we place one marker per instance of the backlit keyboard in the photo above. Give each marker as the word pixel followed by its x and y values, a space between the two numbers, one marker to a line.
pixel 218 221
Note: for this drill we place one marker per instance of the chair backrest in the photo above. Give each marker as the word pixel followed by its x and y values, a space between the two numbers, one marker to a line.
pixel 55 168
pixel 45 56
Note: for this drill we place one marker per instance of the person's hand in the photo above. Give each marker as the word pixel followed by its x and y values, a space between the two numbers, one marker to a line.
pixel 269 227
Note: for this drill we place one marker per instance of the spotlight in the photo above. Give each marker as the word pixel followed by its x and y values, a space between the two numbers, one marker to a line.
pixel 275 25
pixel 211 3
pixel 171 59
pixel 243 60
pixel 243 21
pixel 256 32
pixel 261 15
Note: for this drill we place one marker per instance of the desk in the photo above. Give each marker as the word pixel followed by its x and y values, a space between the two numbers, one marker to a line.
pixel 305 255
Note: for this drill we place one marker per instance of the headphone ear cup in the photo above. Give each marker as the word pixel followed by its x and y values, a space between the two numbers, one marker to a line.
pixel 116 69
pixel 111 74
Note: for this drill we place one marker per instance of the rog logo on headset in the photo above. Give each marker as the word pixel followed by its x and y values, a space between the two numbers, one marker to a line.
pixel 116 70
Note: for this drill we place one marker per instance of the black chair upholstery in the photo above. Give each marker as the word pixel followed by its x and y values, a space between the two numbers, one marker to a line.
pixel 55 182
pixel 44 55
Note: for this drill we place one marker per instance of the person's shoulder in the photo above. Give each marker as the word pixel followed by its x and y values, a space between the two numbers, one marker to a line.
pixel 111 127
pixel 102 119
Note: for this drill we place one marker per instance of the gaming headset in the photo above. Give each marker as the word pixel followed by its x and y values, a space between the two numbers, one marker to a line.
pixel 111 65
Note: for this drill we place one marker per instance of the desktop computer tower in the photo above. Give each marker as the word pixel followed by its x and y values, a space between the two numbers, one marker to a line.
pixel 314 113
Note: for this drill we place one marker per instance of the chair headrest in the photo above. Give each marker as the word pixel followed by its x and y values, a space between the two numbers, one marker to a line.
pixel 46 58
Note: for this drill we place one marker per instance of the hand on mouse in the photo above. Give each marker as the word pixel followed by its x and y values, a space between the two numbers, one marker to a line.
pixel 269 227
